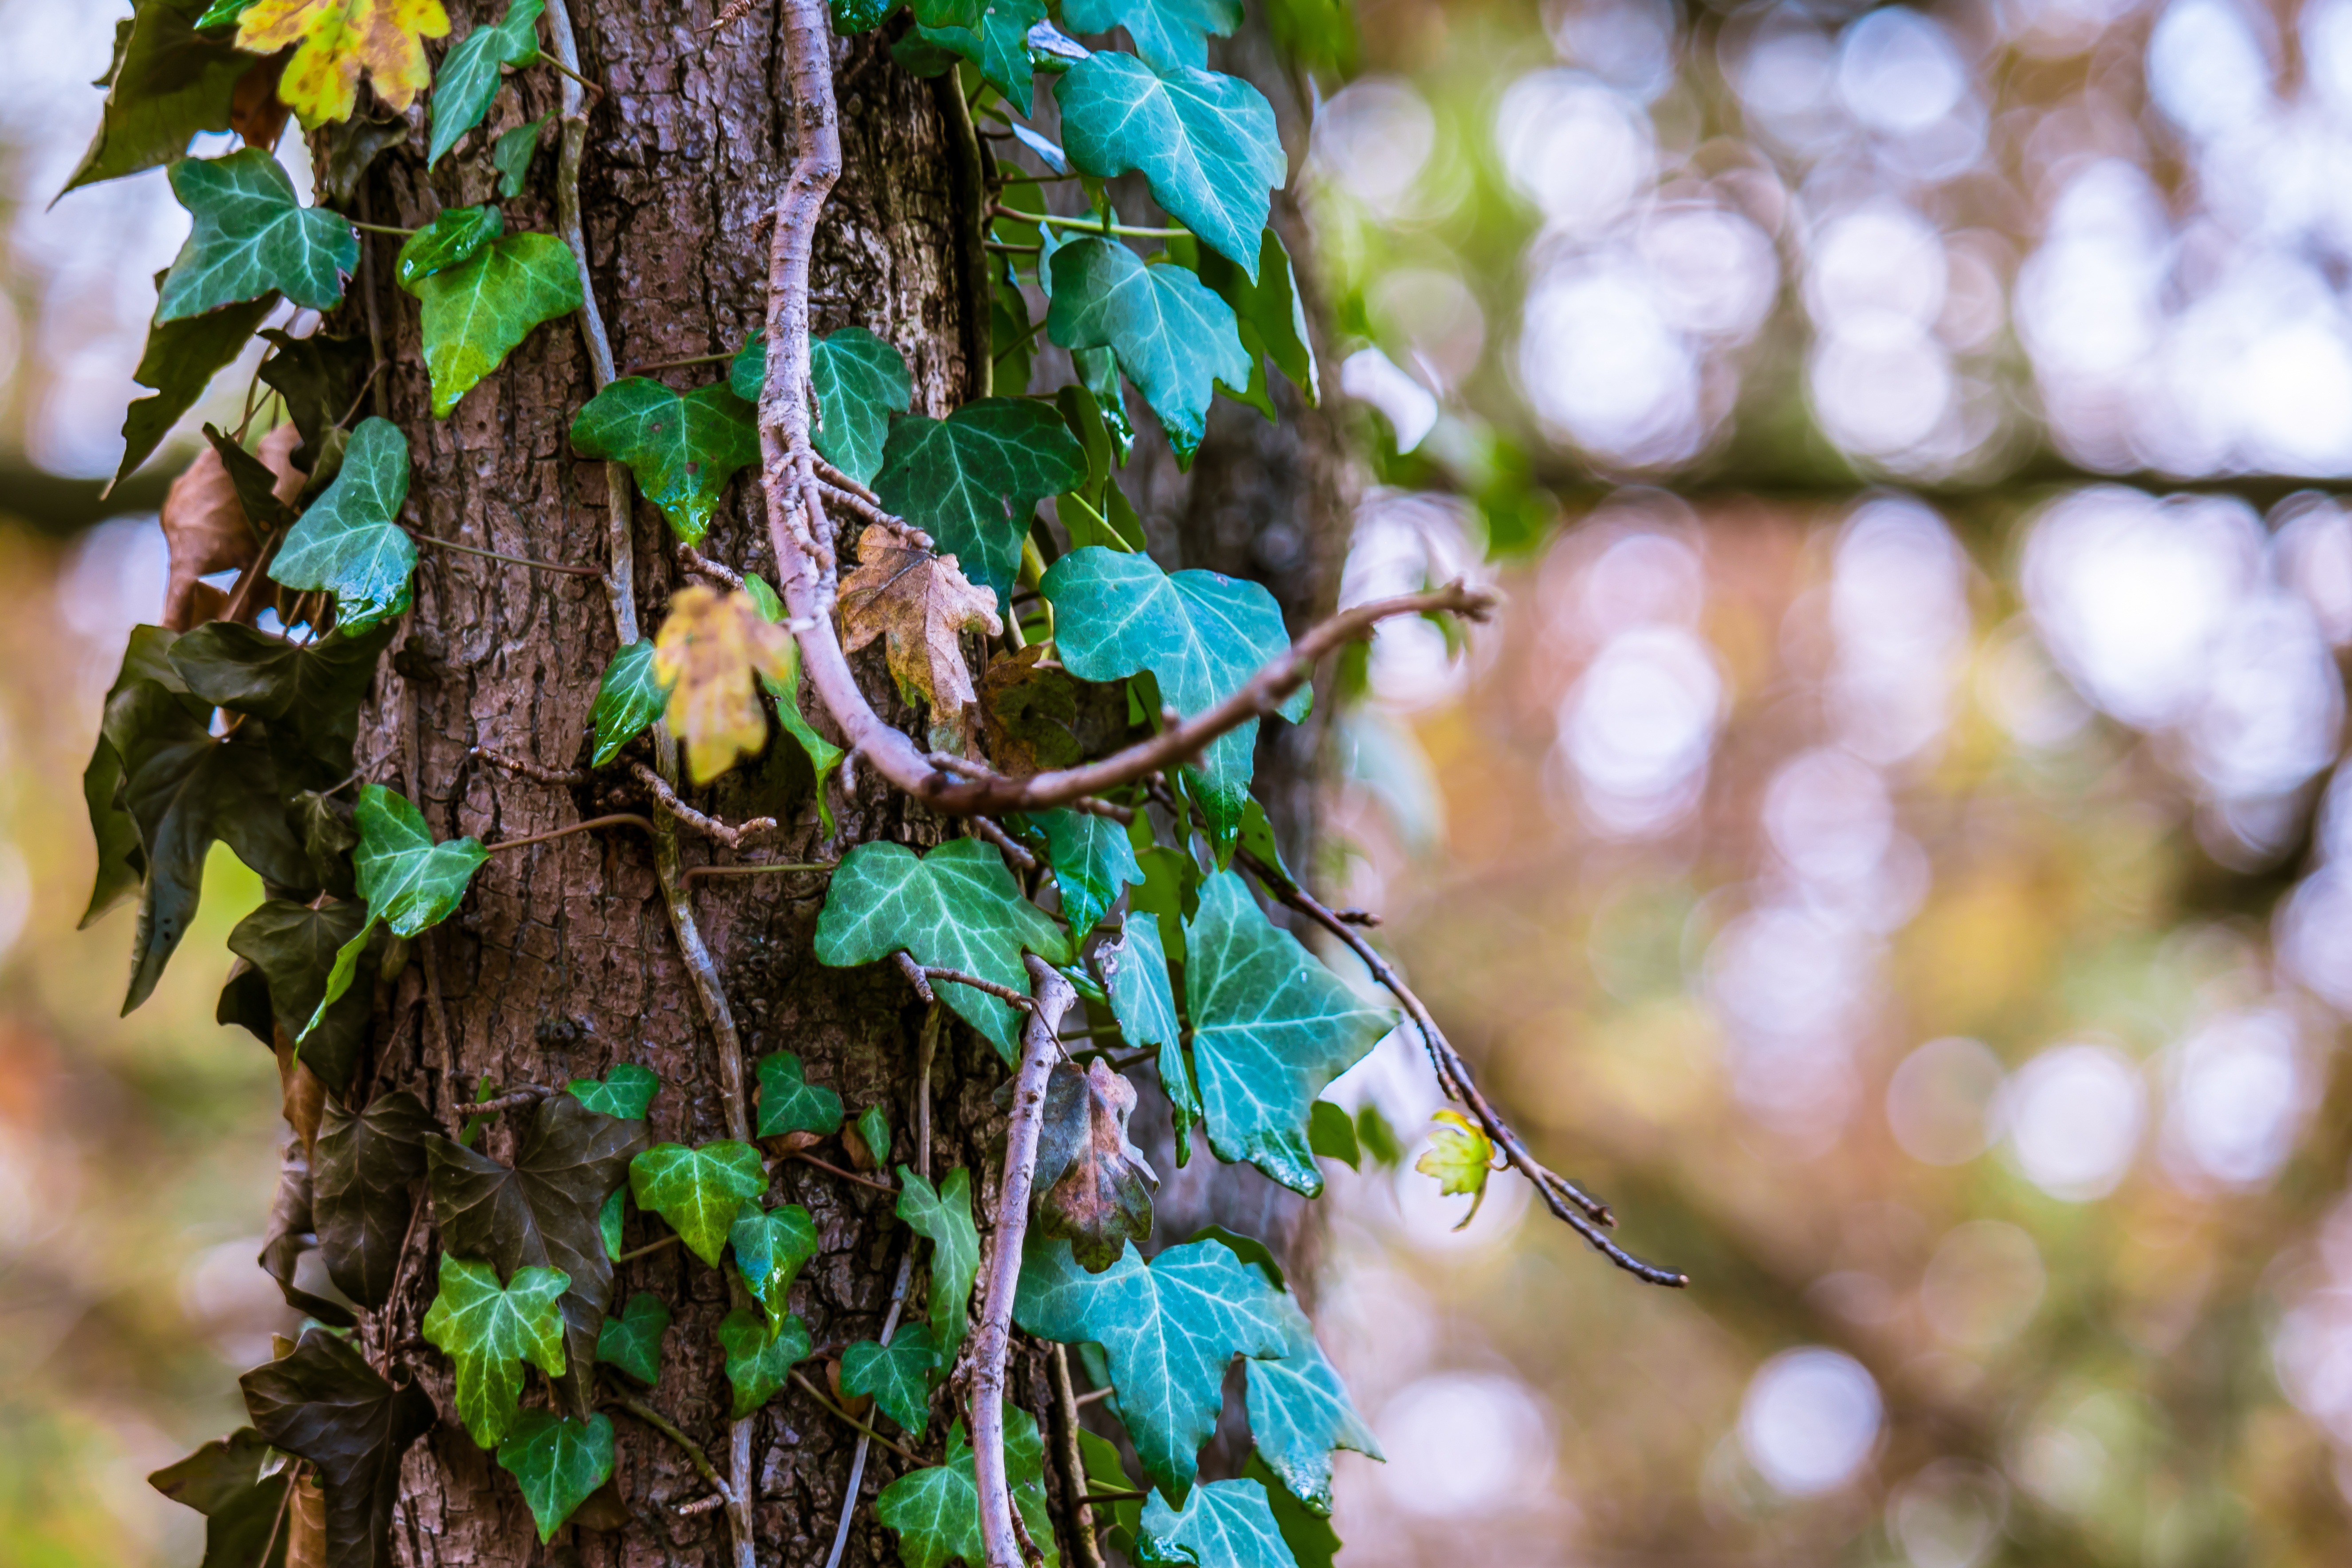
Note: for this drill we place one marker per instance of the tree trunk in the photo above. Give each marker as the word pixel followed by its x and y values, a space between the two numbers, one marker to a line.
pixel 563 961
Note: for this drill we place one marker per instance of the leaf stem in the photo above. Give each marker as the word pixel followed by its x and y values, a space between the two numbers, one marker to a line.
pixel 1091 225
pixel 838 1414
pixel 1118 541
pixel 649 1246
pixel 380 228
pixel 650 365
pixel 561 69
pixel 619 1400
pixel 509 559
pixel 615 820
pixel 778 868
pixel 807 1158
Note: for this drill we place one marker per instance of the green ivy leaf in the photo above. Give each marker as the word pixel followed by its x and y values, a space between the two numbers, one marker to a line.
pixel 898 1375
pixel 1273 322
pixel 610 1219
pixel 1224 1522
pixel 956 907
pixel 860 382
pixel 1099 1457
pixel 1169 1328
pixel 455 236
pixel 1174 338
pixel 352 147
pixel 325 1404
pixel 998 43
pixel 558 1462
pixel 1092 861
pixel 789 1103
pixel 683 449
pixel 628 700
pixel 468 78
pixel 232 1483
pixel 408 881
pixel 1331 1134
pixel 362 1170
pixel 874 1132
pixel 853 16
pixel 624 1092
pixel 1313 1542
pixel 319 378
pixel 477 314
pixel 251 235
pixel 348 542
pixel 944 1216
pixel 935 1511
pixel 1271 1027
pixel 488 1332
pixel 179 362
pixel 511 154
pixel 759 1364
pixel 168 82
pixel 632 1338
pixel 823 756
pixel 770 1247
pixel 294 947
pixel 1205 143
pixel 1202 635
pixel 1167 33
pixel 1134 973
pixel 1299 1412
pixel 970 480
pixel 698 1190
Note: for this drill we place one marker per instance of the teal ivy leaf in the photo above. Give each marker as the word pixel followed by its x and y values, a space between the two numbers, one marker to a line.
pixel 898 1375
pixel 683 448
pixel 823 756
pixel 789 1103
pixel 488 1332
pixel 628 700
pixel 1135 972
pixel 1202 635
pixel 698 1190
pixel 1299 1412
pixel 1273 322
pixel 1169 1328
pixel 1313 1542
pixel 348 542
pixel 511 154
pixel 408 881
pixel 179 362
pixel 609 1220
pixel 860 382
pixel 944 1216
pixel 477 314
pixel 758 1362
pixel 1205 143
pixel 1174 339
pixel 559 1462
pixel 770 1247
pixel 631 1338
pixel 972 480
pixel 1271 1027
pixel 624 1093
pixel 853 16
pixel 1224 1522
pixel 242 1495
pixel 455 236
pixel 999 44
pixel 1332 1135
pixel 468 78
pixel 956 907
pixel 1167 33
pixel 1092 861
pixel 251 235
pixel 168 82
pixel 935 1511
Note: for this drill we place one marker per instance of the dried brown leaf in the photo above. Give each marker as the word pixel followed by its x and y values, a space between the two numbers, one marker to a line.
pixel 1094 1186
pixel 206 530
pixel 254 110
pixel 708 651
pixel 306 1524
pixel 300 1095
pixel 919 605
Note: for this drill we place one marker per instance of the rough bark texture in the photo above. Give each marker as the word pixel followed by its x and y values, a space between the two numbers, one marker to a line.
pixel 561 962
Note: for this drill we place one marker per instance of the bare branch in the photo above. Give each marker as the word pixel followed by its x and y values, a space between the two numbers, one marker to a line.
pixel 996 834
pixel 807 1158
pixel 555 566
pixel 701 565
pixel 865 1432
pixel 915 976
pixel 958 977
pixel 537 772
pixel 1074 1464
pixel 616 819
pixel 756 868
pixel 709 827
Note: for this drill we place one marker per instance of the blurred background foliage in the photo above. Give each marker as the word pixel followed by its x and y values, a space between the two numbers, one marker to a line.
pixel 1890 845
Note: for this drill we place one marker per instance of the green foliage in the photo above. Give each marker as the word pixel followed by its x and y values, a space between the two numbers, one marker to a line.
pixel 759 1361
pixel 294 947
pixel 970 480
pixel 1224 1522
pixel 625 1091
pixel 610 1219
pixel 1092 861
pixel 853 16
pixel 1205 143
pixel 1313 1542
pixel 789 1103
pixel 1273 320
pixel 698 1191
pixel 122 862
pixel 770 1247
pixel 558 1462
pixel 944 1217
pixel 1377 1139
pixel 241 1494
pixel 477 314
pixel 1135 972
pixel 874 1132
pixel 169 82
pixel 488 1332
pixel 512 155
pixel 325 1404
pixel 998 43
pixel 1174 338
pixel 319 379
pixel 179 362
pixel 408 881
pixel 1332 1135
pixel 1167 33
pixel 251 235
pixel 860 381
pixel 823 756
pixel 309 691
pixel 897 1375
pixel 348 543
pixel 1460 1157
pixel 956 907
pixel 632 1338
pixel 468 78
pixel 1099 1459
pixel 683 449
pixel 1299 1412
pixel 628 700
pixel 455 236
pixel 935 1511
pixel 363 1171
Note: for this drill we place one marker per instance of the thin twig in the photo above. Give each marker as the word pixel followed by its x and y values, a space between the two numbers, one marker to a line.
pixel 539 772
pixel 915 976
pixel 517 1100
pixel 620 1399
pixel 650 1246
pixel 872 511
pixel 565 70
pixel 757 869
pixel 1073 1464
pixel 510 560
pixel 1003 841
pixel 616 819
pixel 648 367
pixel 841 481
pixel 1091 1395
pixel 958 977
pixel 808 1159
pixel 701 565
pixel 838 1414
pixel 709 827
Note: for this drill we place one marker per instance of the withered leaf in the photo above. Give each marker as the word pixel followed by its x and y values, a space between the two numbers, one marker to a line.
pixel 1031 714
pixel 229 1481
pixel 254 110
pixel 288 1236
pixel 205 528
pixel 706 653
pixel 361 1190
pixel 1093 1187
pixel 325 1404
pixel 919 605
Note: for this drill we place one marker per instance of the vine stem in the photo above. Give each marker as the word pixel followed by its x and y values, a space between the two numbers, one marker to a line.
pixel 1051 996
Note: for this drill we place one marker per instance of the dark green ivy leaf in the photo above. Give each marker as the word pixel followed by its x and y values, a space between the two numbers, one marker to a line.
pixel 179 362
pixel 320 377
pixel 253 235
pixel 1224 1522
pixel 789 1103
pixel 512 155
pixel 1167 33
pixel 698 1191
pixel 361 1190
pixel 558 1462
pixel 853 16
pixel 1174 338
pixel 632 1338
pixel 770 1247
pixel 231 1482
pixel 972 480
pixel 455 236
pixel 169 83
pixel 624 1093
pixel 898 1375
pixel 468 78
pixel 352 147
pixel 758 1362
pixel 122 863
pixel 1332 1135
pixel 309 692
pixel 628 700
pixel 1299 1412
pixel 999 44
pixel 477 314
pixel 935 1511
pixel 683 449
pixel 324 1404
pixel 860 382
pixel 294 947
pixel 944 1216
pixel 348 542
pixel 1092 861
pixel 1099 1457
pixel 488 1332
pixel 1273 322
pixel 256 486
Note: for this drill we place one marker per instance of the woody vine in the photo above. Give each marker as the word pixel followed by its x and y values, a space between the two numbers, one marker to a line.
pixel 885 527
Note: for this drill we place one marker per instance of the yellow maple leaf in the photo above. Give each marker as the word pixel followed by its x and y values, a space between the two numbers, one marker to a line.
pixel 338 39
pixel 708 651
pixel 1461 1157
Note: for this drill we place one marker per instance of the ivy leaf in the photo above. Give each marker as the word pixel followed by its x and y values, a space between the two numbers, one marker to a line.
pixel 319 378
pixel 347 541
pixel 310 691
pixel 944 1216
pixel 920 605
pixel 294 947
pixel 970 480
pixel 407 881
pixel 337 39
pixel 1093 1187
pixel 168 82
pixel 770 1247
pixel 609 1220
pixel 455 236
pixel 632 1338
pixel 1202 635
pixel 251 235
pixel 477 314
pixel 999 44
pixel 232 1483
pixel 1224 1522
pixel 898 1375
pixel 758 1362
pixel 179 362
pixel 1205 143
pixel 541 1212
pixel 956 907
pixel 1299 1412
pixel 1313 1542
pixel 698 1191
pixel 511 154
pixel 122 863
pixel 558 1462
pixel 1135 972
pixel 628 700
pixel 853 16
pixel 873 1135
pixel 1167 33
pixel 1099 1457
pixel 624 1093
pixel 1461 1157
pixel 935 1511
pixel 366 1165
pixel 489 1333
pixel 1169 1327
pixel 684 448
pixel 789 1103
pixel 325 1404
pixel 470 73
pixel 1332 1135
pixel 1269 310
pixel 1174 338
pixel 1271 1027
pixel 860 382
pixel 1092 861
pixel 706 653
pixel 351 151
pixel 822 755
